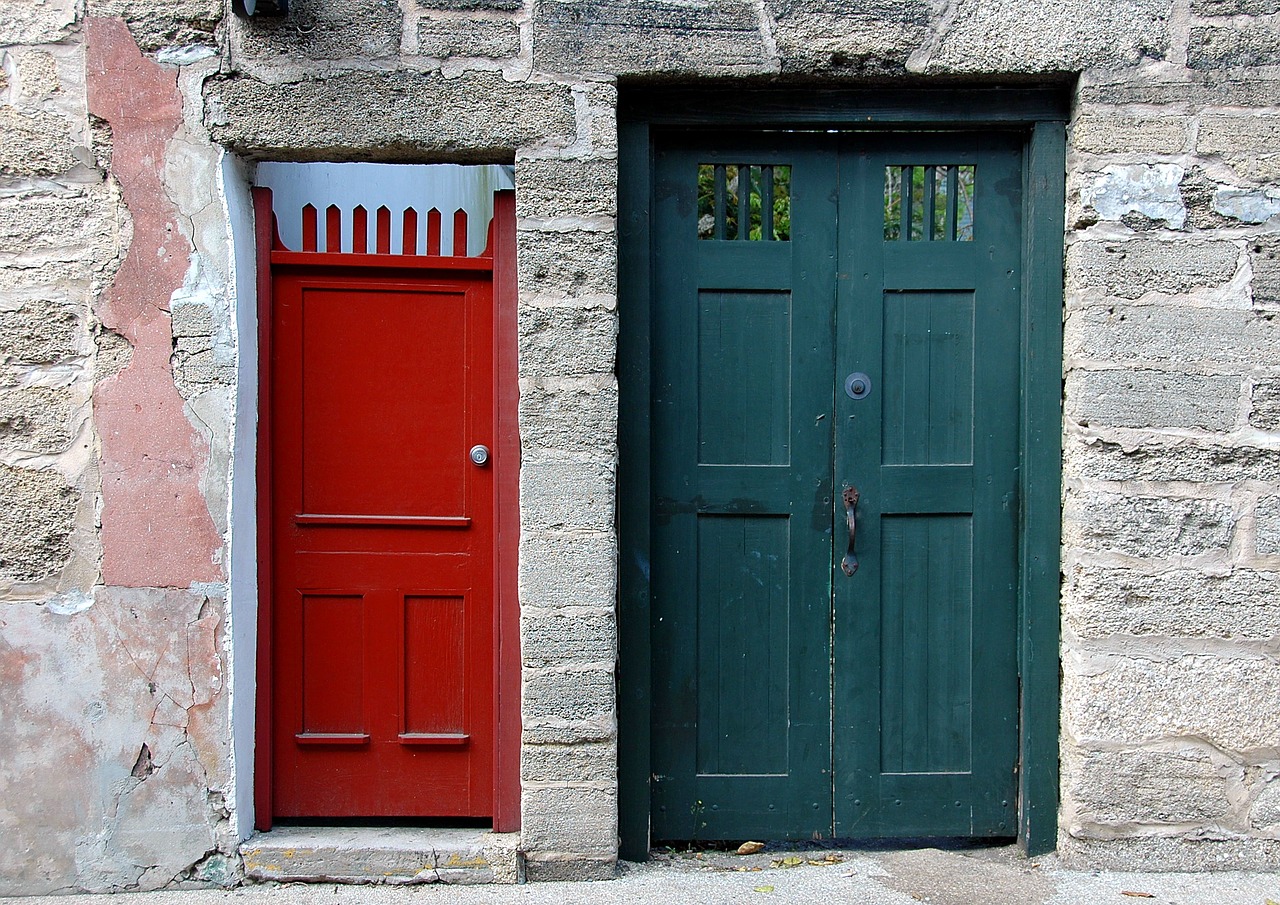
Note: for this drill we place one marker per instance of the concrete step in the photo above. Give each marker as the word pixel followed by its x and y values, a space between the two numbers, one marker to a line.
pixel 391 855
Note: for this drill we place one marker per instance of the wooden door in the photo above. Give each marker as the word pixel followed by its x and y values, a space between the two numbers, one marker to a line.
pixel 382 530
pixel 791 699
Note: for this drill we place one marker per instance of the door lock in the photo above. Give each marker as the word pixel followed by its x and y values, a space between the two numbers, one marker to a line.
pixel 857 385
pixel 480 454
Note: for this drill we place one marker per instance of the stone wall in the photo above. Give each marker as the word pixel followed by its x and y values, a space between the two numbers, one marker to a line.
pixel 117 365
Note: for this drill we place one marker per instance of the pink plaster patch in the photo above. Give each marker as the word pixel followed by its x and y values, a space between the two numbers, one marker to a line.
pixel 156 527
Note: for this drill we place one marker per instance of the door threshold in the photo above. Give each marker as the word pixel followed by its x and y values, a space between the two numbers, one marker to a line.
pixel 396 856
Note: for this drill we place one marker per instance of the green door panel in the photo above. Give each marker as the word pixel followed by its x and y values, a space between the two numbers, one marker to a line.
pixel 789 699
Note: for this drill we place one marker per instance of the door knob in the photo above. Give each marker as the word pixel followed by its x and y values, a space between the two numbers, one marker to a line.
pixel 857 385
pixel 480 454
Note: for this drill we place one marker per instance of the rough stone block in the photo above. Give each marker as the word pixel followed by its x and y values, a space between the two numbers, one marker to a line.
pixel 559 495
pixel 1267 520
pixel 1258 205
pixel 1208 852
pixel 568 570
pixel 35 21
pixel 1045 36
pixel 579 820
pixel 1155 399
pixel 1176 603
pixel 552 868
pixel 68 227
pixel 567 637
pixel 574 696
pixel 548 187
pixel 567 264
pixel 1146 526
pixel 441 38
pixel 319 30
pixel 35 533
pixel 37 143
pixel 40 332
pixel 1265 813
pixel 506 5
pixel 35 420
pixel 1169 333
pixel 1233 47
pixel 1134 268
pixel 1199 193
pixel 1264 258
pixel 592 762
pixel 1235 7
pixel 1152 192
pixel 1246 142
pixel 621 38
pixel 1104 131
pixel 1145 786
pixel 477 117
pixel 1105 460
pixel 165 23
pixel 567 341
pixel 1189 91
pixel 550 731
pixel 834 36
pixel 1265 410
pixel 581 417
pixel 1230 702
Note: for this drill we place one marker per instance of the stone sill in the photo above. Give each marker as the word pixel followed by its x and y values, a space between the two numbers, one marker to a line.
pixel 395 856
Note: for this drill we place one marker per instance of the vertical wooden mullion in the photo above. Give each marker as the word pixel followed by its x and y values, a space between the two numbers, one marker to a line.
pixel 953 189
pixel 766 203
pixel 930 199
pixel 744 201
pixel 905 192
pixel 721 200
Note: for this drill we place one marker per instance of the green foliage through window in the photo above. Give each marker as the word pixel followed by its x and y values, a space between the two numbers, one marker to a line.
pixel 744 202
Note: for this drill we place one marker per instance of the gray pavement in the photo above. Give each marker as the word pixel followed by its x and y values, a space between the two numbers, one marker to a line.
pixel 967 876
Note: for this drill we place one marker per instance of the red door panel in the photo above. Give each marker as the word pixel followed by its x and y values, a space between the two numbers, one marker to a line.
pixel 382 530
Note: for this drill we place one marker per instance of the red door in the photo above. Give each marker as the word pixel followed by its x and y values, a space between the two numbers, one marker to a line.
pixel 382 533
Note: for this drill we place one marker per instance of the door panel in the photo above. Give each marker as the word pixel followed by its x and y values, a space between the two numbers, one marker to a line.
pixel 382 536
pixel 789 698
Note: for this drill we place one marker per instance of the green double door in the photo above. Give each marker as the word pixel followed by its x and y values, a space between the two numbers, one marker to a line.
pixel 835 311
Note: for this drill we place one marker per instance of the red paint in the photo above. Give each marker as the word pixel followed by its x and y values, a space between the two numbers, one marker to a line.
pixel 156 527
pixel 381 602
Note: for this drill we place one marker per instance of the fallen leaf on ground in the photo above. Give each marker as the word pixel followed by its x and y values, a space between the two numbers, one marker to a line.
pixel 790 861
pixel 750 848
pixel 762 889
pixel 1137 895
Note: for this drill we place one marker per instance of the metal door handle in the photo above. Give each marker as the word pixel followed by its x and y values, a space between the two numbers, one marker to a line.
pixel 849 564
pixel 480 454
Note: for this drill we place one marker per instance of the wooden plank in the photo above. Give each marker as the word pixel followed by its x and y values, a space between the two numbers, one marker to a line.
pixel 459 233
pixel 359 230
pixel 333 229
pixel 381 260
pixel 384 231
pixel 433 231
pixel 409 234
pixel 309 227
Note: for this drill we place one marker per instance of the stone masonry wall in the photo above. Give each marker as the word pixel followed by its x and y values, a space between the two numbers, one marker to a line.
pixel 117 355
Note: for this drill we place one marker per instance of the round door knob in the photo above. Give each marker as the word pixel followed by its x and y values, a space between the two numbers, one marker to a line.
pixel 480 454
pixel 857 385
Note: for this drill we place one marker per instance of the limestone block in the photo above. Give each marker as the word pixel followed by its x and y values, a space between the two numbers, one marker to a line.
pixel 508 5
pixel 557 494
pixel 1190 91
pixel 1188 460
pixel 1234 46
pixel 1235 7
pixel 568 570
pixel 1267 520
pixel 1148 190
pixel 35 21
pixel 1265 410
pixel 126 697
pixel 1198 195
pixel 1209 852
pixel 1145 526
pixel 580 416
pixel 35 533
pixel 1264 258
pixel 1156 399
pixel 1247 143
pixel 1265 813
pixel 590 762
pixel 1230 702
pixel 1247 205
pixel 476 117
pixel 1174 603
pixel 832 35
pixel 70 227
pixel 1144 786
pixel 567 264
pixel 568 819
pixel 493 38
pixel 1046 36
pixel 164 23
pixel 40 332
pixel 191 319
pixel 319 30
pixel 537 730
pixel 568 696
pixel 602 100
pixel 547 188
pixel 35 420
pixel 621 37
pixel 1134 268
pixel 1104 131
pixel 554 867
pixel 567 341
pixel 1172 333
pixel 567 637
pixel 37 143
